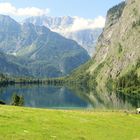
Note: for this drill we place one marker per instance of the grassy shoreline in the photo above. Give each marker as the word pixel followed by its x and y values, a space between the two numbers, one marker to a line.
pixel 19 123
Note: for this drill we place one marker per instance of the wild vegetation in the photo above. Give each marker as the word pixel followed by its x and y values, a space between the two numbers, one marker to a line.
pixel 17 100
pixel 130 82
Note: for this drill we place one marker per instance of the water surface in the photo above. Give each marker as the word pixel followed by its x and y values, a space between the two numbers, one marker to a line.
pixel 44 96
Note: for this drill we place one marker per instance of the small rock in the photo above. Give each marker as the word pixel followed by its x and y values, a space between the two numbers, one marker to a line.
pixel 138 110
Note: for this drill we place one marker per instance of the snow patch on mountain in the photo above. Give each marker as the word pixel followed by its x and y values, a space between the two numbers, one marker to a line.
pixel 84 31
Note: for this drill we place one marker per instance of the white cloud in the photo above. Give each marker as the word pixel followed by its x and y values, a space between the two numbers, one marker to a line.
pixel 82 23
pixel 32 11
pixel 78 24
pixel 9 9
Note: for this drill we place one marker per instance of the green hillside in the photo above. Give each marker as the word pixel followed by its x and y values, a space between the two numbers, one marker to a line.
pixel 118 50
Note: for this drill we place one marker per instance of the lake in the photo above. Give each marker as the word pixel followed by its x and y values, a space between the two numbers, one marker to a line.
pixel 44 96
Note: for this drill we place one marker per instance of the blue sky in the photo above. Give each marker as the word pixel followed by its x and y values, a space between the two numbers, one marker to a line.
pixel 82 8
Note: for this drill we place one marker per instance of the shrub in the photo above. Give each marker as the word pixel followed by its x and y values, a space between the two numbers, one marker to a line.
pixel 17 100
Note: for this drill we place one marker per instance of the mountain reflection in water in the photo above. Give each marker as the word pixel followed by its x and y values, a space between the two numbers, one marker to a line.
pixel 44 96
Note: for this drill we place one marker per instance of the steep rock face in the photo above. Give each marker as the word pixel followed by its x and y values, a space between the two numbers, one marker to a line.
pixel 42 52
pixel 118 48
pixel 114 14
pixel 87 38
pixel 51 22
pixel 9 33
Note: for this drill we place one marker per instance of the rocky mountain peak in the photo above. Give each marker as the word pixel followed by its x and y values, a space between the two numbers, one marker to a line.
pixel 114 14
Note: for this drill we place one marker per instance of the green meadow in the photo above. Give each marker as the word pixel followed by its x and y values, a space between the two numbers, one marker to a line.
pixel 19 123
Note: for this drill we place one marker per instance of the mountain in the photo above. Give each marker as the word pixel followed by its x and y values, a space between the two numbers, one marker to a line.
pixel 87 38
pixel 41 51
pixel 118 47
pixel 7 66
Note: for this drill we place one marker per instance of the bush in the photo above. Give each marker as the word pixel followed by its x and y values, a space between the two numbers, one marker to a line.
pixel 2 102
pixel 17 100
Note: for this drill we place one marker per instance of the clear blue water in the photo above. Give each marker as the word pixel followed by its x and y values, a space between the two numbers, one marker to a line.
pixel 44 96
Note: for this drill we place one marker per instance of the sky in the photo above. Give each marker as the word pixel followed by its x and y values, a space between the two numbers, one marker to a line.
pixel 81 8
pixel 87 10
